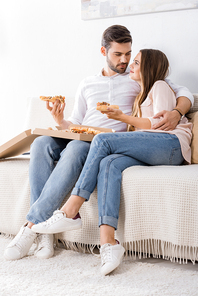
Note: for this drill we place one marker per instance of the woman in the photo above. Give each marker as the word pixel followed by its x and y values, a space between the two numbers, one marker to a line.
pixel 111 153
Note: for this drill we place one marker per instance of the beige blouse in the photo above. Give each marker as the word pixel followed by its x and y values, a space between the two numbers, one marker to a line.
pixel 161 97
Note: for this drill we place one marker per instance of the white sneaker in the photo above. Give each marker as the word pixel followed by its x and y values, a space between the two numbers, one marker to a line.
pixel 58 223
pixel 20 245
pixel 45 247
pixel 111 257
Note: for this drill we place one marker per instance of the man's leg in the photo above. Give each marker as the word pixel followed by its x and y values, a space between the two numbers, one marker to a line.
pixel 44 153
pixel 59 179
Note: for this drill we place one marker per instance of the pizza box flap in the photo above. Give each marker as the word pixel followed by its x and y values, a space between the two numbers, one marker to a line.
pixel 17 145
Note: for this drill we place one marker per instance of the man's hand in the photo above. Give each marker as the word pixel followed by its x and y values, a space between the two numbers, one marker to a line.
pixel 169 121
pixel 56 111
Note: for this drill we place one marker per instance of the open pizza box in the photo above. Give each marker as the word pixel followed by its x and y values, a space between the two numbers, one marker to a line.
pixel 21 143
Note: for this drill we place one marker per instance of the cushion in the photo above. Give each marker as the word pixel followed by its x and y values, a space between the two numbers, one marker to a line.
pixel 193 117
pixel 194 108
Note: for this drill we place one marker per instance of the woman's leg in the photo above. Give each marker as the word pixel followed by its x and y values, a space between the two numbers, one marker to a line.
pixel 150 148
pixel 109 188
pixel 147 147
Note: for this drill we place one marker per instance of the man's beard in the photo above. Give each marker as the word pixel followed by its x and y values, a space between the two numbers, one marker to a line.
pixel 114 68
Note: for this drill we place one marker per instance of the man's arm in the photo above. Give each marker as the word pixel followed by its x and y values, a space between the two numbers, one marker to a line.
pixel 171 118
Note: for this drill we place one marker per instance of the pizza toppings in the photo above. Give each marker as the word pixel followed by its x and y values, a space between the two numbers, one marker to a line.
pixel 84 130
pixel 103 104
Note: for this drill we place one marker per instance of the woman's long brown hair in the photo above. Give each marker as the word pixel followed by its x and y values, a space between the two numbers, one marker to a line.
pixel 154 66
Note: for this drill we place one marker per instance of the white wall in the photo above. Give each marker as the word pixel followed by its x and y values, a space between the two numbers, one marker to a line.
pixel 46 49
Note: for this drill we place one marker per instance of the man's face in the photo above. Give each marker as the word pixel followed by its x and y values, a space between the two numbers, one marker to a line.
pixel 118 56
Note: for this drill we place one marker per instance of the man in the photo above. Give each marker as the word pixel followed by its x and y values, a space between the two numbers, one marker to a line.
pixel 50 182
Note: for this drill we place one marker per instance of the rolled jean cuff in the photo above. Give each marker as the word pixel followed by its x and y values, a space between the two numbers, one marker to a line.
pixel 108 220
pixel 81 192
pixel 29 218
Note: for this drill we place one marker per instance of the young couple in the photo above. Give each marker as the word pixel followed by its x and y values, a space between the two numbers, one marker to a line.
pixel 159 137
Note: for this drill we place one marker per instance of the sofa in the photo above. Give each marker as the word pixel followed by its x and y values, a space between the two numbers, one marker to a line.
pixel 159 204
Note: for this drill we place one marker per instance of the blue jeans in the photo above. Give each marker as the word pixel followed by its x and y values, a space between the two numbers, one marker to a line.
pixel 110 154
pixel 51 181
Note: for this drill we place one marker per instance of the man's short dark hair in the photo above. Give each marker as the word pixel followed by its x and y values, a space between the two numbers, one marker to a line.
pixel 115 33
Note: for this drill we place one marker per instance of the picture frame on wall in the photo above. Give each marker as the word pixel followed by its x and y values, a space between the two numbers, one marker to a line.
pixel 96 9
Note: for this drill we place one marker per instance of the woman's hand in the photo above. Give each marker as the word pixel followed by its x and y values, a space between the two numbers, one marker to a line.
pixel 113 113
pixel 56 111
pixel 138 122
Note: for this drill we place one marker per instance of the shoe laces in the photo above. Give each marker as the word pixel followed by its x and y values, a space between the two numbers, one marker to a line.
pixel 105 252
pixel 55 217
pixel 43 241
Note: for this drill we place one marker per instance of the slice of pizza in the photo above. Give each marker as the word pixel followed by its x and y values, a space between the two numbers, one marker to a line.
pixel 103 106
pixel 78 129
pixel 53 99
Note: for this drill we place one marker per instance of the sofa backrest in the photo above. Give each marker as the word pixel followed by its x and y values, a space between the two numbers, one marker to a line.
pixel 39 117
pixel 194 108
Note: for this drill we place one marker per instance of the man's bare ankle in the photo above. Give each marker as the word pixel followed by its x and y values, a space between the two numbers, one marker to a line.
pixel 29 225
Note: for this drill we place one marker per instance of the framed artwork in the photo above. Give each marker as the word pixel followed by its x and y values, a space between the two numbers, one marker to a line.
pixel 95 9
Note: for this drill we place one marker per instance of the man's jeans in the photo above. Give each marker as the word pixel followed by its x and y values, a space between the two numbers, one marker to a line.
pixel 51 182
pixel 110 154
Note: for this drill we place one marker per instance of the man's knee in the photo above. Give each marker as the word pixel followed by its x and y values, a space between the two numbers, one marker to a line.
pixel 108 161
pixel 78 147
pixel 41 142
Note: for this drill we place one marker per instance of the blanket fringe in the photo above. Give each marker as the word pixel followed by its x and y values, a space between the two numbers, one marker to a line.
pixel 11 236
pixel 142 249
pixel 161 249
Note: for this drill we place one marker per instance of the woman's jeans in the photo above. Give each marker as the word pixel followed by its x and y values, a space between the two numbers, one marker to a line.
pixel 55 165
pixel 110 154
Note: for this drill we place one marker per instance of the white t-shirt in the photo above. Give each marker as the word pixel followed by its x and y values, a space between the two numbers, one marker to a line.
pixel 118 89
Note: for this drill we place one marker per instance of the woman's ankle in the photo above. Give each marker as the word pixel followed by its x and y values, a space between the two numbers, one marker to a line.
pixel 107 235
pixel 108 241
pixel 72 206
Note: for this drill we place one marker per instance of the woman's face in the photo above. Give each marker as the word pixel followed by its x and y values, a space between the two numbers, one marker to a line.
pixel 135 68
